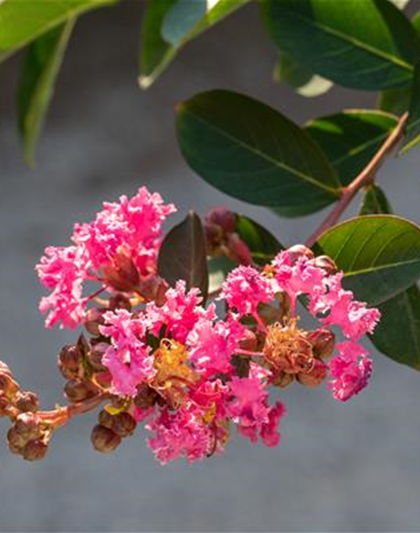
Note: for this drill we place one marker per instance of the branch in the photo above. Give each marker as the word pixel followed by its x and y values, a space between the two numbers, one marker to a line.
pixel 365 178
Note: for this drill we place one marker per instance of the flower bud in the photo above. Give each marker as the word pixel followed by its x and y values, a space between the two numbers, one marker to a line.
pixel 35 450
pixel 105 419
pixel 16 441
pixel 8 385
pixel 119 301
pixel 4 369
pixel 122 274
pixel 238 250
pixel 249 342
pixel 298 251
pixel 326 263
pixel 153 288
pixel 4 404
pixel 241 365
pixel 27 401
pixel 123 424
pixel 214 237
pixel 323 343
pixel 222 217
pixel 78 391
pixel 315 376
pixel 146 397
pixel 103 379
pixel 104 440
pixel 93 320
pixel 70 361
pixel 28 424
pixel 282 380
pixel 95 356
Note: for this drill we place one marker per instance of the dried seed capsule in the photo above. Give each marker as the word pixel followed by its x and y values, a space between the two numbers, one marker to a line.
pixel 104 440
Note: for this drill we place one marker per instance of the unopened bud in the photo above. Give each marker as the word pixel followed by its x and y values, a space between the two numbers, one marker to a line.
pixel 282 379
pixel 77 391
pixel 153 288
pixel 27 401
pixel 146 397
pixel 104 440
pixel 249 342
pixel 123 424
pixel 16 441
pixel 105 419
pixel 315 376
pixel 93 320
pixel 238 250
pixel 70 361
pixel 298 251
pixel 119 301
pixel 95 356
pixel 4 404
pixel 326 263
pixel 323 343
pixel 4 369
pixel 103 379
pixel 8 385
pixel 214 237
pixel 241 365
pixel 28 425
pixel 122 274
pixel 222 217
pixel 35 450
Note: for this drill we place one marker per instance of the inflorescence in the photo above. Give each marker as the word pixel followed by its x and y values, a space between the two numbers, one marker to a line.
pixel 157 355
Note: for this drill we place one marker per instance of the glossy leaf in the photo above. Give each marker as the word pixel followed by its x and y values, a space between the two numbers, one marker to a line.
pixel 365 45
pixel 412 137
pixel 375 202
pixel 300 78
pixel 169 24
pixel 261 243
pixel 183 255
pixel 22 22
pixel 40 68
pixel 351 138
pixel 250 151
pixel 398 100
pixel 380 255
pixel 398 333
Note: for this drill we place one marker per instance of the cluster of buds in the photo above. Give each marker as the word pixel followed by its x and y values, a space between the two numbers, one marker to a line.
pixel 159 356
pixel 222 238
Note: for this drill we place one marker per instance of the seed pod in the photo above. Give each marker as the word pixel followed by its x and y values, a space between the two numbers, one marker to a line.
pixel 35 450
pixel 104 440
pixel 27 401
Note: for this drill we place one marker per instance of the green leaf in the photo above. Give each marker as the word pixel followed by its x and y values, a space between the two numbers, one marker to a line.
pixel 412 137
pixel 375 202
pixel 398 100
pixel 397 334
pixel 24 21
pixel 379 255
pixel 182 255
pixel 170 24
pixel 261 243
pixel 305 82
pixel 364 45
pixel 40 68
pixel 351 138
pixel 250 151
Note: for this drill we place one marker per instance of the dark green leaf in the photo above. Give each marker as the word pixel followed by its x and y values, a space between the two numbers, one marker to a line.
pixel 351 138
pixel 412 137
pixel 380 255
pixel 375 202
pixel 22 22
pixel 169 24
pixel 398 100
pixel 365 45
pixel 182 255
pixel 305 82
pixel 261 243
pixel 250 151
pixel 398 333
pixel 40 68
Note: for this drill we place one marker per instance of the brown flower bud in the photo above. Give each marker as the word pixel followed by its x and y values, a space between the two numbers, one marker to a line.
pixel 16 441
pixel 93 320
pixel 104 440
pixel 214 237
pixel 119 301
pixel 146 397
pixel 122 274
pixel 4 369
pixel 77 391
pixel 95 356
pixel 105 419
pixel 222 217
pixel 4 404
pixel 323 343
pixel 123 424
pixel 241 365
pixel 28 424
pixel 103 379
pixel 35 450
pixel 298 251
pixel 249 342
pixel 282 379
pixel 70 361
pixel 326 263
pixel 153 288
pixel 315 376
pixel 8 385
pixel 27 401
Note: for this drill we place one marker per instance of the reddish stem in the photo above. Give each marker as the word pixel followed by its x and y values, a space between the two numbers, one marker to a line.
pixel 365 178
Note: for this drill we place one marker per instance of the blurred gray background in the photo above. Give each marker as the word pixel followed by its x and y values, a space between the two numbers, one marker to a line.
pixel 340 467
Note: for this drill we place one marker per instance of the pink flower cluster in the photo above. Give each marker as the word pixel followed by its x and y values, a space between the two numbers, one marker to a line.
pixel 117 249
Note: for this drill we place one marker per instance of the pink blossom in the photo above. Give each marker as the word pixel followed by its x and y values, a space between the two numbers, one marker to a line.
pixel 250 409
pixel 212 345
pixel 245 288
pixel 179 314
pixel 61 271
pixel 351 370
pixel 128 358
